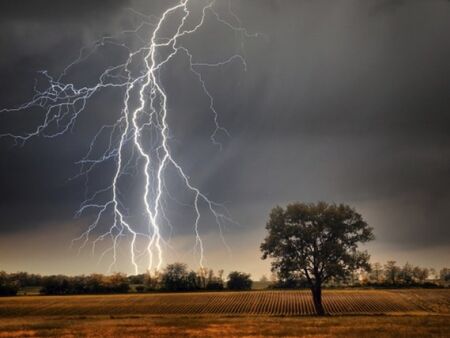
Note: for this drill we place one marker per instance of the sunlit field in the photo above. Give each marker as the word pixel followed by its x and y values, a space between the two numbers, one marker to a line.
pixel 368 313
pixel 226 326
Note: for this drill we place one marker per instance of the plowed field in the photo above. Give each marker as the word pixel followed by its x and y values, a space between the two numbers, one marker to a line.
pixel 286 303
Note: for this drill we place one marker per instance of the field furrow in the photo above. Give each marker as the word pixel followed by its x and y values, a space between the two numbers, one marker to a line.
pixel 288 303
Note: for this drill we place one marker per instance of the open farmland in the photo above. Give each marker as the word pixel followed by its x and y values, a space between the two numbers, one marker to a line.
pixel 280 303
pixel 369 313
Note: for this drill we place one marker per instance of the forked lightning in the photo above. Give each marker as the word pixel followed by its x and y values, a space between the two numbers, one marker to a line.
pixel 140 137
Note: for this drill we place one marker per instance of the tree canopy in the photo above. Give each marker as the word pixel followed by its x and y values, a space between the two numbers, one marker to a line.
pixel 239 281
pixel 316 241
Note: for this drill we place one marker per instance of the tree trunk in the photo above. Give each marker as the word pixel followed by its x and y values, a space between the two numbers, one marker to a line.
pixel 317 299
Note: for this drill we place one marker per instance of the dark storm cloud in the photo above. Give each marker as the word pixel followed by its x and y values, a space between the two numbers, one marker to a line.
pixel 35 185
pixel 348 106
pixel 62 10
pixel 342 101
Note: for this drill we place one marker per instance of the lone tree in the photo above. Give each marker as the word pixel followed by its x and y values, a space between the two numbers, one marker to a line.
pixel 317 242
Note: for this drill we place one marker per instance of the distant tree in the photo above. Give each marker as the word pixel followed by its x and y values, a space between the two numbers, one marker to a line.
pixel 95 283
pixel 137 279
pixel 192 281
pixel 444 275
pixel 353 277
pixel 211 276
pixel 420 274
pixel 152 281
pixel 376 273
pixel 317 241
pixel 78 285
pixel 392 272
pixel 118 283
pixel 55 285
pixel 214 282
pixel 220 275
pixel 202 277
pixel 175 277
pixel 215 285
pixel 239 281
pixel 4 277
pixel 8 289
pixel 407 274
pixel 7 286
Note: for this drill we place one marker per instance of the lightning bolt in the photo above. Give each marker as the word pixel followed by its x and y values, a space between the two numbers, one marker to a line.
pixel 139 139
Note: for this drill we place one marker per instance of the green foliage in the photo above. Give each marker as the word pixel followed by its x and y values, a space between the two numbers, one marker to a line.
pixel 239 281
pixel 318 242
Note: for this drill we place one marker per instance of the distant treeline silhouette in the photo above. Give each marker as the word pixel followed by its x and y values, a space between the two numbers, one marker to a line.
pixel 175 277
pixel 388 275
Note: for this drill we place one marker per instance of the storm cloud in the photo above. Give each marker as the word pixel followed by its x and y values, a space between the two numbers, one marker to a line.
pixel 343 101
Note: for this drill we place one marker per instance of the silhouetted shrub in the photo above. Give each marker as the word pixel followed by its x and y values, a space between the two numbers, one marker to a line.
pixel 140 288
pixel 8 290
pixel 239 281
pixel 214 285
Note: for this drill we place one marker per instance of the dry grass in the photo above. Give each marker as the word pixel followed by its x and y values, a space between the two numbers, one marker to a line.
pixel 405 313
pixel 223 326
pixel 437 301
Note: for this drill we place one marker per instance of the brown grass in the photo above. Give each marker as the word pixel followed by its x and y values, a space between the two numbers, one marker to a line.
pixel 369 313
pixel 430 300
pixel 223 326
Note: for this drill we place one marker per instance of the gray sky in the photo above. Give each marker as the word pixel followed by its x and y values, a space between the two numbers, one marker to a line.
pixel 342 101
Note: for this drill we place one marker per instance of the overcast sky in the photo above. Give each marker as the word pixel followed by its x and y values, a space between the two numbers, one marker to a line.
pixel 342 101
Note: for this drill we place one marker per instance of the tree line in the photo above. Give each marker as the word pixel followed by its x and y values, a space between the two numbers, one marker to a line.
pixel 389 275
pixel 175 277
